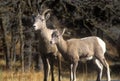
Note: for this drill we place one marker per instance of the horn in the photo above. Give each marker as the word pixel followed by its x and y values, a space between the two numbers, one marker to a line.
pixel 46 11
pixel 63 31
pixel 43 4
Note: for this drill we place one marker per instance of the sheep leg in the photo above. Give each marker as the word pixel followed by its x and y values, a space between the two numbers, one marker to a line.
pixel 105 64
pixel 59 68
pixel 71 72
pixel 108 70
pixel 46 67
pixel 52 68
pixel 100 69
pixel 74 70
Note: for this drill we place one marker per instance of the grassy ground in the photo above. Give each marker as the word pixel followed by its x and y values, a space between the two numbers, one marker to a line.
pixel 38 76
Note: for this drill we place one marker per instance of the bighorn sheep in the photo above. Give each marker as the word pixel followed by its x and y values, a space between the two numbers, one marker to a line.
pixel 46 49
pixel 74 50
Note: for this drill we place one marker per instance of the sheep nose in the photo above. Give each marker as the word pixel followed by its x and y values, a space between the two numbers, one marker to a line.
pixel 50 42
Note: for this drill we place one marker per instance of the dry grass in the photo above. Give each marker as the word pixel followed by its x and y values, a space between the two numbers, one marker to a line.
pixel 38 76
pixel 19 76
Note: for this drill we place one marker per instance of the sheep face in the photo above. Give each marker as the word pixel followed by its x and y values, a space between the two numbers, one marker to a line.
pixel 40 22
pixel 55 37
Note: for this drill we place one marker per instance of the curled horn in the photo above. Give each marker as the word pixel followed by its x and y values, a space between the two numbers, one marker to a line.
pixel 46 11
pixel 43 4
pixel 63 31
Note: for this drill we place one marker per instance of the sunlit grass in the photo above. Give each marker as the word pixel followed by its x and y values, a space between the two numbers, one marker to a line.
pixel 18 75
pixel 38 76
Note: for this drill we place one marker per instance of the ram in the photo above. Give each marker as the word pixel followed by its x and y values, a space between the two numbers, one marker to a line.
pixel 47 50
pixel 74 50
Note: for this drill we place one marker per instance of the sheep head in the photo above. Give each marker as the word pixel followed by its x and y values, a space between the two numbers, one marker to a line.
pixel 56 36
pixel 40 20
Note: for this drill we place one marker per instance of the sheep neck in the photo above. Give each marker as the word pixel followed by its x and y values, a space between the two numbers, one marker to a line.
pixel 62 46
pixel 44 28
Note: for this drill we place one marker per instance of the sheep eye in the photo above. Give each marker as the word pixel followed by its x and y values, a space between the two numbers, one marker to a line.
pixel 42 19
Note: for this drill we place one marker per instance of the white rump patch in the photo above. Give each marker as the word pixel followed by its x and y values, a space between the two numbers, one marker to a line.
pixel 86 58
pixel 102 44
pixel 89 58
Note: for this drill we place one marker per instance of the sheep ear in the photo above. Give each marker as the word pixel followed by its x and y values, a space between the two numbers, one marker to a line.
pixel 47 16
pixel 63 31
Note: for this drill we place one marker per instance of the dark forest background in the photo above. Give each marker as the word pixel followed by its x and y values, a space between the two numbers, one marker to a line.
pixel 81 18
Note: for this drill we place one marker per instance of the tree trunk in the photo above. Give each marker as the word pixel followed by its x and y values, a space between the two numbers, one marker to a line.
pixel 27 55
pixel 5 43
pixel 21 36
pixel 13 46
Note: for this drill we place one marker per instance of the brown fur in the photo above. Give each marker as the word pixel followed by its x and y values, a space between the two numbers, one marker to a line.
pixel 86 48
pixel 47 50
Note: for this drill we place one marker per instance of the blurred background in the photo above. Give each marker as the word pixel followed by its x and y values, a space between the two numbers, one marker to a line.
pixel 81 18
